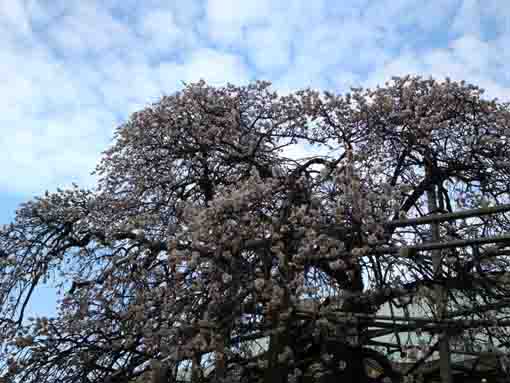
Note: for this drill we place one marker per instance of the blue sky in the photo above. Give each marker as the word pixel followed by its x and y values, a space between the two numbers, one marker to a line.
pixel 70 71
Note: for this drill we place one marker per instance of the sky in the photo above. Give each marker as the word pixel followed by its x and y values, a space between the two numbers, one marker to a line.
pixel 71 71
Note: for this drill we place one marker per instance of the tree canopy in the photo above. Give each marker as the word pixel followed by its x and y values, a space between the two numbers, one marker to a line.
pixel 256 237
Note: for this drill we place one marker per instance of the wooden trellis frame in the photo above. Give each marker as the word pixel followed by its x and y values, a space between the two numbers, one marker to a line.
pixel 436 246
pixel 387 323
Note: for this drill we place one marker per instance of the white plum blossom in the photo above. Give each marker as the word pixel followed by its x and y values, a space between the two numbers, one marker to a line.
pixel 205 241
pixel 259 284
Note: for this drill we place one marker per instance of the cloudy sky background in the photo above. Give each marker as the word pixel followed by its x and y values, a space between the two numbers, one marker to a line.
pixel 70 71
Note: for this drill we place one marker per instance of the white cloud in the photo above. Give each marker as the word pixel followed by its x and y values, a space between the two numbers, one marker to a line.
pixel 394 14
pixel 211 65
pixel 468 18
pixel 344 81
pixel 456 61
pixel 126 80
pixel 226 18
pixel 42 154
pixel 268 47
pixel 215 67
pixel 40 14
pixel 464 49
pixel 162 34
pixel 89 29
pixel 70 70
pixel 53 124
pixel 160 26
pixel 14 17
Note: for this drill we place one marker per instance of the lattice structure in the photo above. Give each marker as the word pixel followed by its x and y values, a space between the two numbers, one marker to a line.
pixel 339 333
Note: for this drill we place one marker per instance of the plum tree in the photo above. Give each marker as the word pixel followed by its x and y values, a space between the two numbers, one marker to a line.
pixel 256 237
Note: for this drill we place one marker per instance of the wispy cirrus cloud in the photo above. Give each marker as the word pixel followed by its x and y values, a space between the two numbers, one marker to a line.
pixel 73 70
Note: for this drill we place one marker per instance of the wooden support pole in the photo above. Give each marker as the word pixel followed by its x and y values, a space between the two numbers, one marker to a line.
pixel 462 214
pixel 436 245
pixel 440 295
